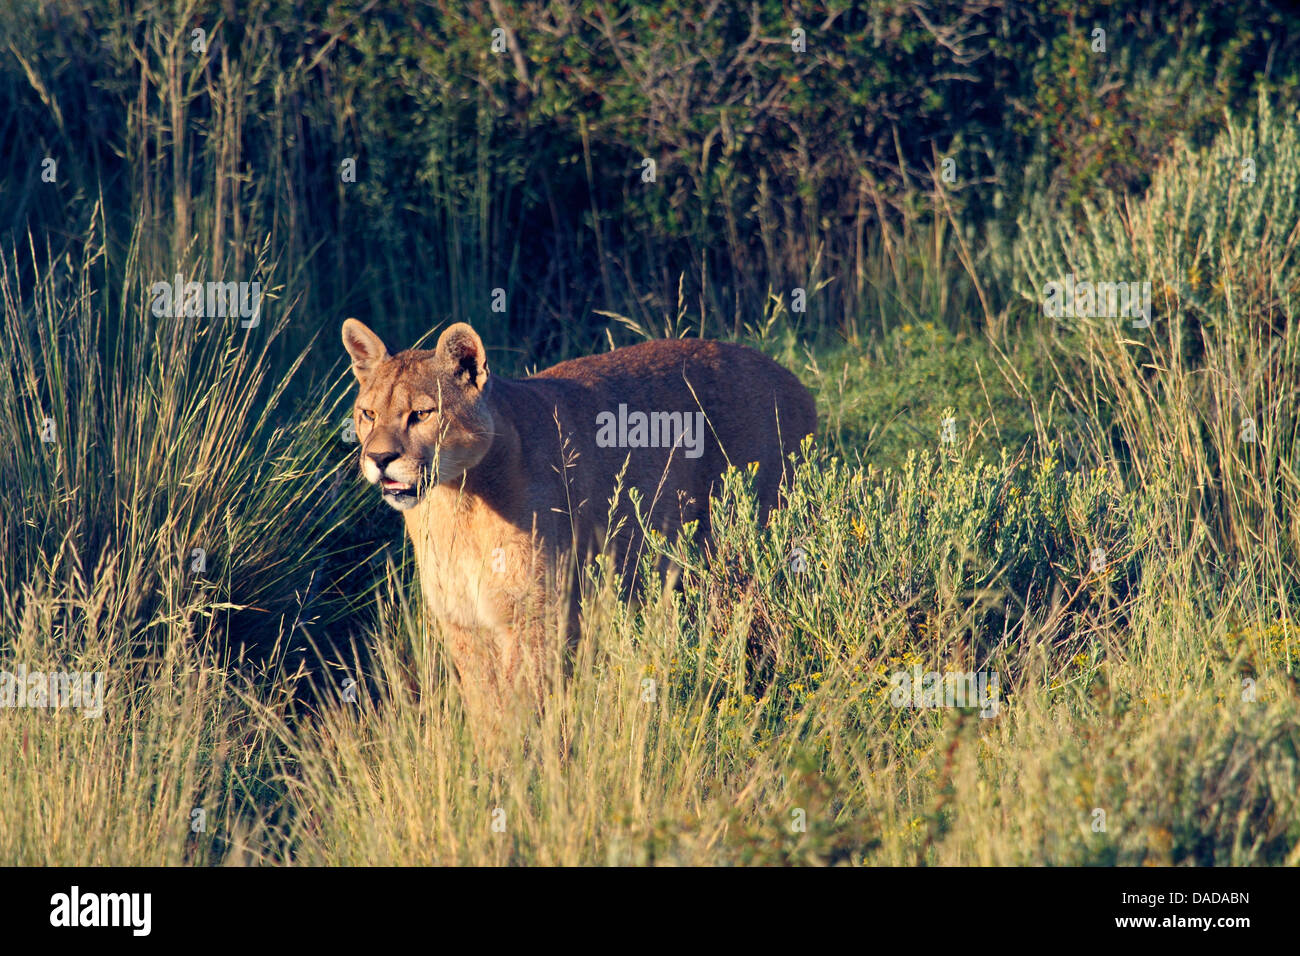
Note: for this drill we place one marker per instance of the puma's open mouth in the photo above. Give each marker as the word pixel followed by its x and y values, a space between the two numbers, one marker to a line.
pixel 396 489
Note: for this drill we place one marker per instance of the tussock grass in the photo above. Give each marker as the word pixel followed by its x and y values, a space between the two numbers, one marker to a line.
pixel 155 533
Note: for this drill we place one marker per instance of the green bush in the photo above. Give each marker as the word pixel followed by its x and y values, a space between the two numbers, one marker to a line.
pixel 1203 399
pixel 994 557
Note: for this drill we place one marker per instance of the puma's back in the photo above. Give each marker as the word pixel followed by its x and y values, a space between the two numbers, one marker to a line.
pixel 678 412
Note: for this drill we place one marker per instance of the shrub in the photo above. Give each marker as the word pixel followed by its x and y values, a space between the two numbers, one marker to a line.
pixel 1204 398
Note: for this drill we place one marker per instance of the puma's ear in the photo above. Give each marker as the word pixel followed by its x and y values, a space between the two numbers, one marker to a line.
pixel 366 348
pixel 462 349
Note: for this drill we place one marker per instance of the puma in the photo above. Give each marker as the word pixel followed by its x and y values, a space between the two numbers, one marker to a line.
pixel 505 484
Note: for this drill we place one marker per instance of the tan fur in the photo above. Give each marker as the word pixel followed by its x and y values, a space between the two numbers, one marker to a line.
pixel 505 489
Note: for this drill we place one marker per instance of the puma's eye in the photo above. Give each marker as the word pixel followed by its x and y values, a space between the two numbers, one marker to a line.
pixel 422 414
pixel 367 414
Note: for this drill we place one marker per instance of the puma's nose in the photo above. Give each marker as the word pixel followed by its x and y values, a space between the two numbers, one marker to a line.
pixel 383 456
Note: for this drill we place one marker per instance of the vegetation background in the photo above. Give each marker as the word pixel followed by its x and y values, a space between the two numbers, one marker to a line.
pixel 285 682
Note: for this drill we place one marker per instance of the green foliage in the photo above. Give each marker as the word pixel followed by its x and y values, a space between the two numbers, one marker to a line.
pixel 998 553
pixel 522 169
pixel 1104 111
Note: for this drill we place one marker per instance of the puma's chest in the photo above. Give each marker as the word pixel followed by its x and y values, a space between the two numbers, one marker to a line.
pixel 476 567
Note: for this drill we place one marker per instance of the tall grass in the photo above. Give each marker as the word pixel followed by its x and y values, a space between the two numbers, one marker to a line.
pixel 167 524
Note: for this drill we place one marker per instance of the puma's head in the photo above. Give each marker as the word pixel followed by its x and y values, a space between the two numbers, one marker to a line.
pixel 420 415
